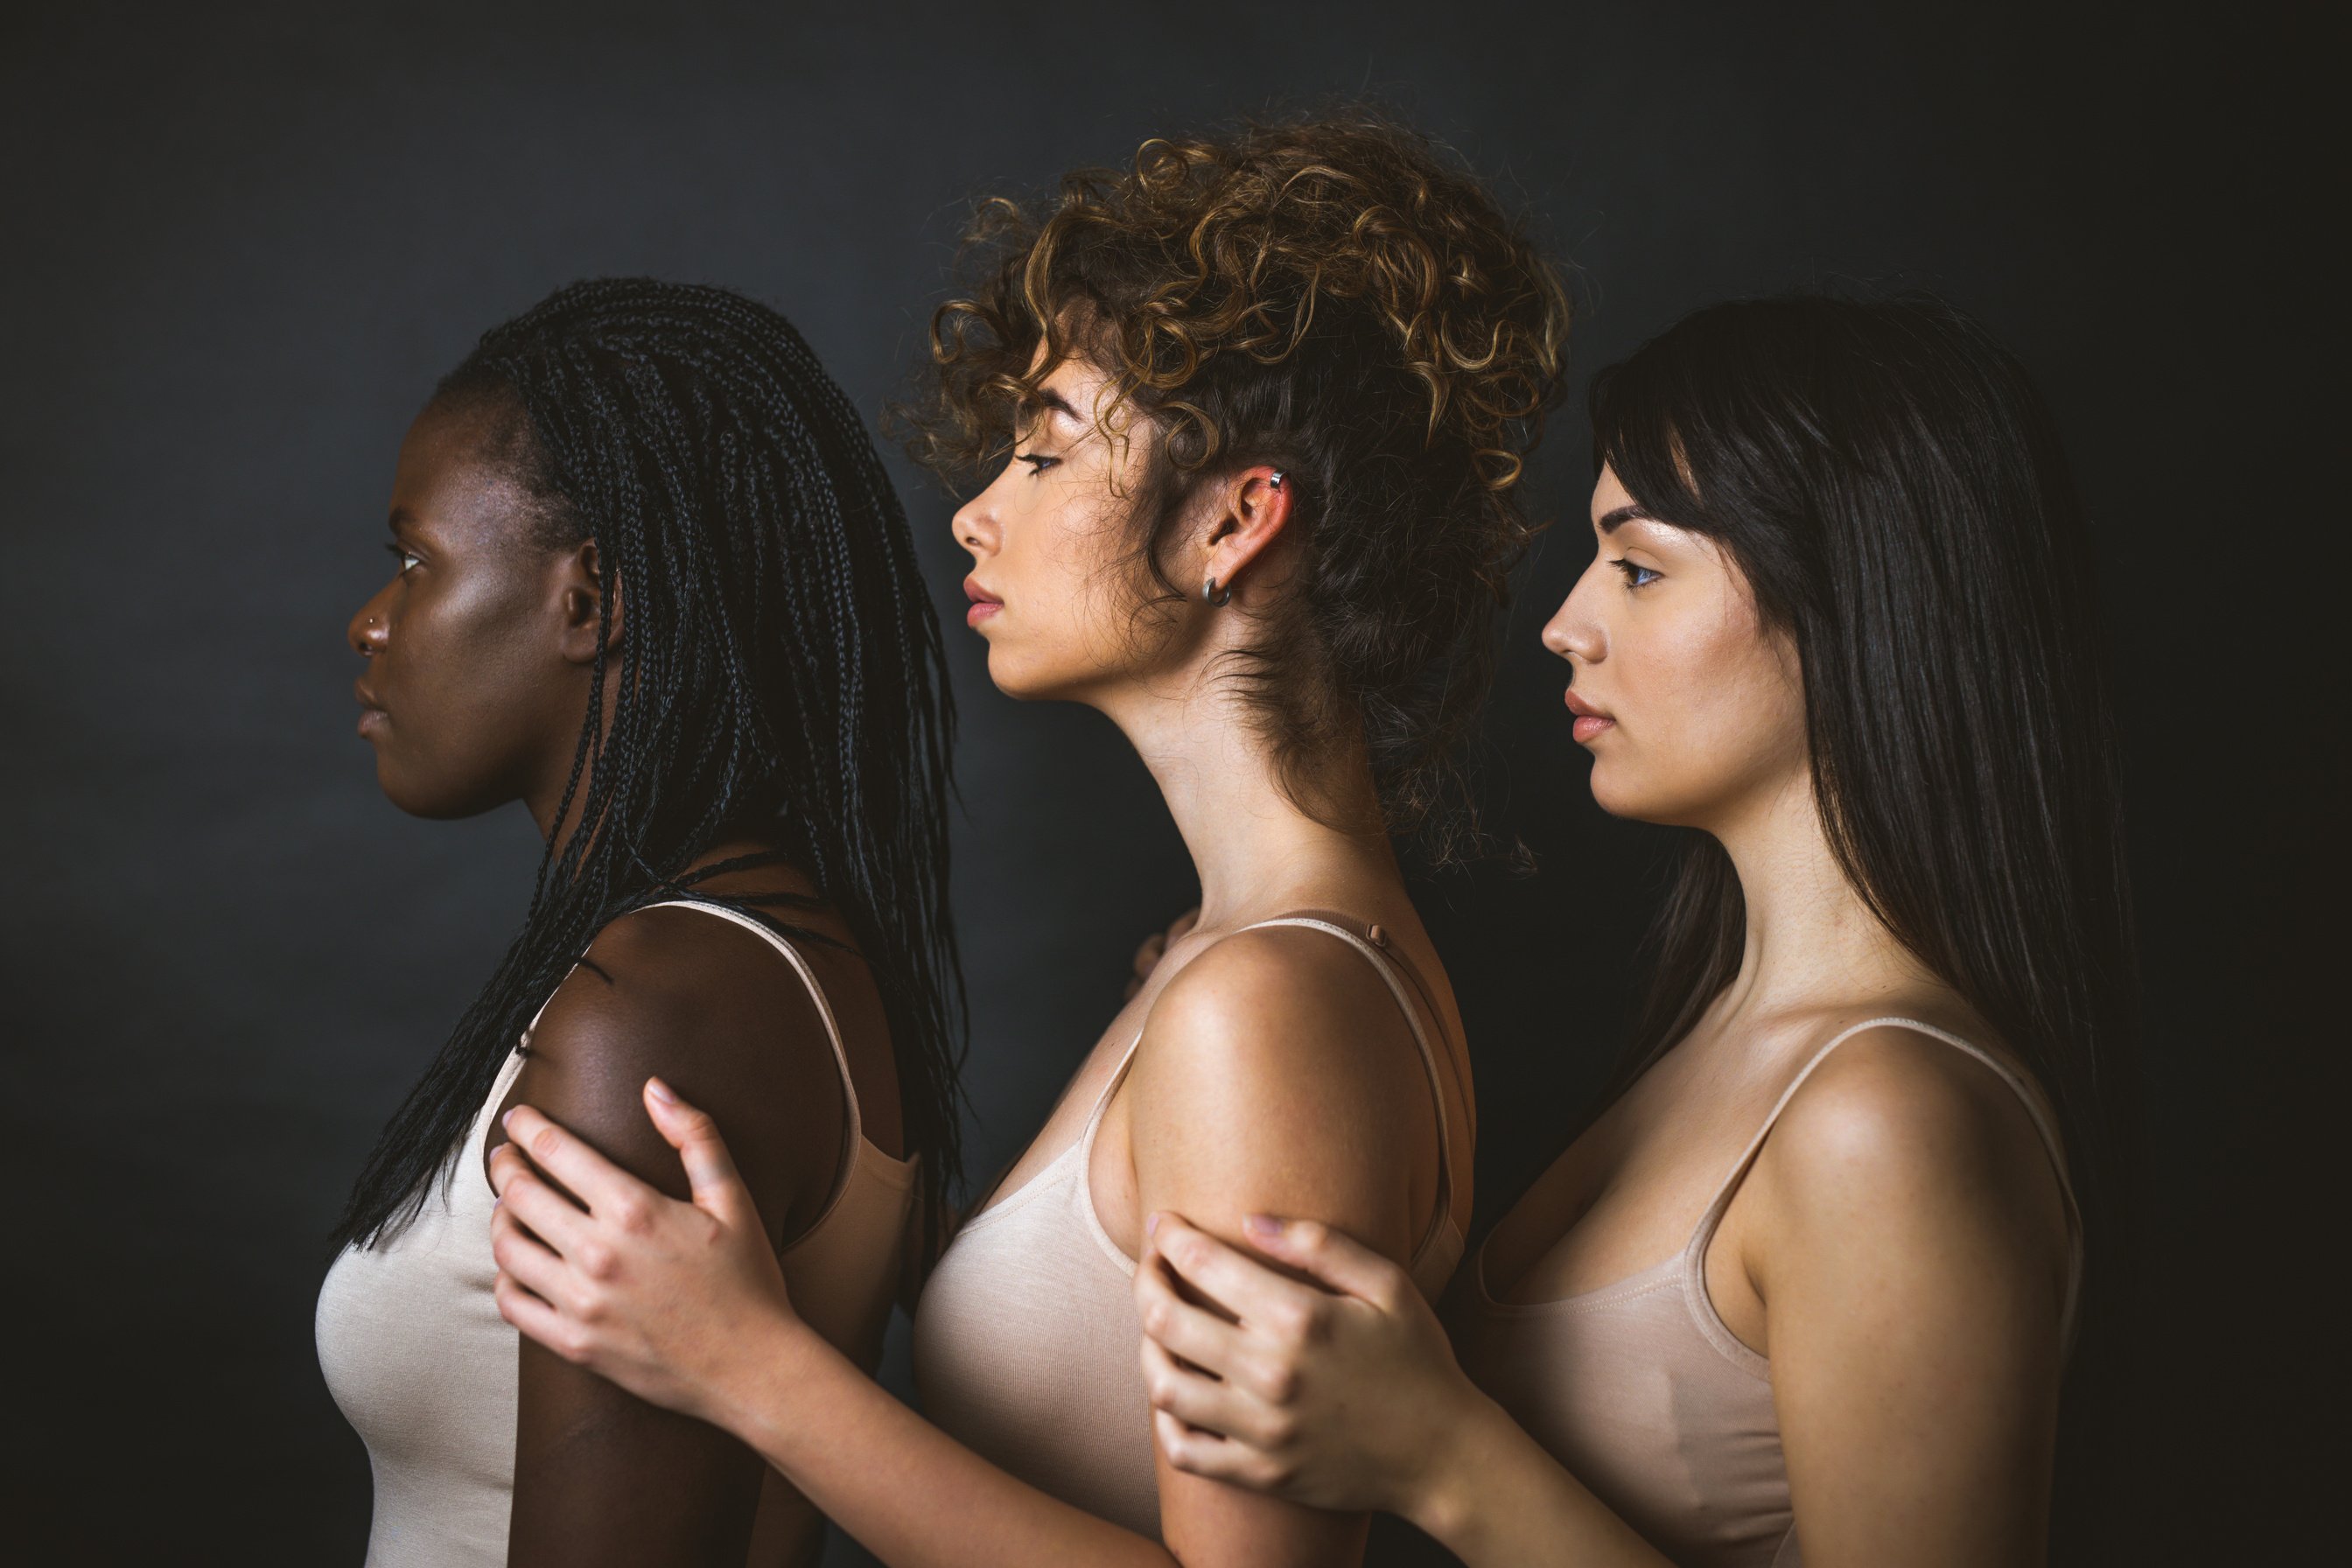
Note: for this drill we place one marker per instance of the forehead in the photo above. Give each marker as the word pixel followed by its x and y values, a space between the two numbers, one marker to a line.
pixel 451 481
pixel 1609 493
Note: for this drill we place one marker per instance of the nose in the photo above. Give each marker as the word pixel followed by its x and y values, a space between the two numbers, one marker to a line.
pixel 975 525
pixel 1575 631
pixel 372 627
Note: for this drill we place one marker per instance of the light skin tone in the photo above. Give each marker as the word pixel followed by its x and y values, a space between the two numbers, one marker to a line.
pixel 1274 1068
pixel 1898 1250
pixel 479 657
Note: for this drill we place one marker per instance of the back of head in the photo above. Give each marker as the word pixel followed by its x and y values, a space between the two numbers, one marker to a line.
pixel 779 669
pixel 1892 487
pixel 1335 298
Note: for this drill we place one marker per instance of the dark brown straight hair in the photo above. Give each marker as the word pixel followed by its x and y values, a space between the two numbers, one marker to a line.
pixel 1890 484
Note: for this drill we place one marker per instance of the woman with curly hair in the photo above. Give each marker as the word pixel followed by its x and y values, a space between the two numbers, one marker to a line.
pixel 1258 407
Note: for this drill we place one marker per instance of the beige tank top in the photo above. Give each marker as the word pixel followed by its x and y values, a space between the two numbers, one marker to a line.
pixel 1026 1347
pixel 418 1357
pixel 1640 1392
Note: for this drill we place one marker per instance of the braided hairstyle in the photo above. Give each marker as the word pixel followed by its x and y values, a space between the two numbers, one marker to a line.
pixel 1333 296
pixel 782 670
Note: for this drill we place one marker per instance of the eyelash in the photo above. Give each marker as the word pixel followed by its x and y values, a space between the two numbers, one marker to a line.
pixel 1636 576
pixel 1038 463
pixel 404 556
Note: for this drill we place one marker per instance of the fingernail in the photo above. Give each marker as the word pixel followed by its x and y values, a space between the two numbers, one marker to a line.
pixel 1262 1225
pixel 1151 1225
pixel 660 1092
pixel 508 1119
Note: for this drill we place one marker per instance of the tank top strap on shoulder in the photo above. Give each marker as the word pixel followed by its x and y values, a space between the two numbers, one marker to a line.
pixel 1694 1253
pixel 1397 974
pixel 854 1147
pixel 1370 940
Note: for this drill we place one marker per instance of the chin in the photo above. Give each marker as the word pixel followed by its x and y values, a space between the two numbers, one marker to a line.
pixel 1620 795
pixel 431 803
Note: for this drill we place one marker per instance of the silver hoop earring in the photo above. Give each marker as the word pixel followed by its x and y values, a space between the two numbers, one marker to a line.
pixel 1275 483
pixel 1209 597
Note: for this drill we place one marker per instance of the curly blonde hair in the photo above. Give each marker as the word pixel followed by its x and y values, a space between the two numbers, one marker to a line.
pixel 1337 298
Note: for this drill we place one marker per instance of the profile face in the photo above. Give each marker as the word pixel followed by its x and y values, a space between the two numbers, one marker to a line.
pixel 1052 586
pixel 1692 708
pixel 465 688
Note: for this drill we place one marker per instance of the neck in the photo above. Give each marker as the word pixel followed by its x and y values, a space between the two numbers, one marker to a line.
pixel 1810 939
pixel 1254 850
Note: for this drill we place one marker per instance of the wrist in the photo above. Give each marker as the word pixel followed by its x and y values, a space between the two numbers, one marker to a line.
pixel 752 1393
pixel 1445 1501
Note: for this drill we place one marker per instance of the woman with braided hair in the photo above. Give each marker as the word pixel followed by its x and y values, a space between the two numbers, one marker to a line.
pixel 1255 407
pixel 652 584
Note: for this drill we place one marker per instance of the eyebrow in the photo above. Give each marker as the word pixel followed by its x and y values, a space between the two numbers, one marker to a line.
pixel 1049 398
pixel 1610 521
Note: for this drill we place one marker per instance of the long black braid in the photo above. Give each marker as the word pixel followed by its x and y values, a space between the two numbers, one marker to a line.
pixel 781 670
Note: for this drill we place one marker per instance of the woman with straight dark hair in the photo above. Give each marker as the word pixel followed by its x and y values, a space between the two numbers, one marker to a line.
pixel 1252 412
pixel 652 584
pixel 1812 1276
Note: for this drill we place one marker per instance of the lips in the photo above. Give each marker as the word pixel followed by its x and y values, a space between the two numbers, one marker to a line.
pixel 1590 720
pixel 984 603
pixel 371 712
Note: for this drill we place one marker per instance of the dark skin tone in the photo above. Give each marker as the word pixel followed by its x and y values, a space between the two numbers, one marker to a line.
pixel 480 655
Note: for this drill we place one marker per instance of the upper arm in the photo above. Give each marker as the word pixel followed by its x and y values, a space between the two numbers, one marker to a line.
pixel 600 1476
pixel 1910 1246
pixel 1277 1076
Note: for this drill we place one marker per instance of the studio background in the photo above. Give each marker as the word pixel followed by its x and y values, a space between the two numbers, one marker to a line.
pixel 239 247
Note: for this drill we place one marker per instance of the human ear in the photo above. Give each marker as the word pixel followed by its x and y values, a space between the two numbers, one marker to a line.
pixel 583 588
pixel 1252 508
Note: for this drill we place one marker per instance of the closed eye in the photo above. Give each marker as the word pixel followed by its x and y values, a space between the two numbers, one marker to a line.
pixel 1636 575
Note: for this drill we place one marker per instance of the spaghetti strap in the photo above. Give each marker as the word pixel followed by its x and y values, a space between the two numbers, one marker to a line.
pixel 1694 1253
pixel 1389 966
pixel 852 1146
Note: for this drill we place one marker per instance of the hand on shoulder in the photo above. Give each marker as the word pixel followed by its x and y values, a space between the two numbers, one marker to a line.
pixel 713 1010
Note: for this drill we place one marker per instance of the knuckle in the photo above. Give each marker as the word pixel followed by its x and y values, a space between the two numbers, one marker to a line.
pixel 596 1261
pixel 545 1142
pixel 1290 1322
pixel 1154 1316
pixel 632 1214
pixel 1280 1384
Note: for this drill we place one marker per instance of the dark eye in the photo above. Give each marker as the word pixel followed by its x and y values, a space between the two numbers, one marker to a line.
pixel 1038 463
pixel 1636 576
pixel 404 556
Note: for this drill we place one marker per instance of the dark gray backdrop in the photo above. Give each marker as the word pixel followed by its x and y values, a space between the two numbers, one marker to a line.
pixel 238 250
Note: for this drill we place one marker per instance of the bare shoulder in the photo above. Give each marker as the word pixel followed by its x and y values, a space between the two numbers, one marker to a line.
pixel 1904 1137
pixel 1276 1006
pixel 714 1011
pixel 1277 1076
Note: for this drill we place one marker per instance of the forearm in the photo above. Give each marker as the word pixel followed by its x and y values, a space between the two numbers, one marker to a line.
pixel 909 1493
pixel 1502 1502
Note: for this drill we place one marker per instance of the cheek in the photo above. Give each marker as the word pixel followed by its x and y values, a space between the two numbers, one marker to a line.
pixel 1716 716
pixel 470 701
pixel 1071 581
